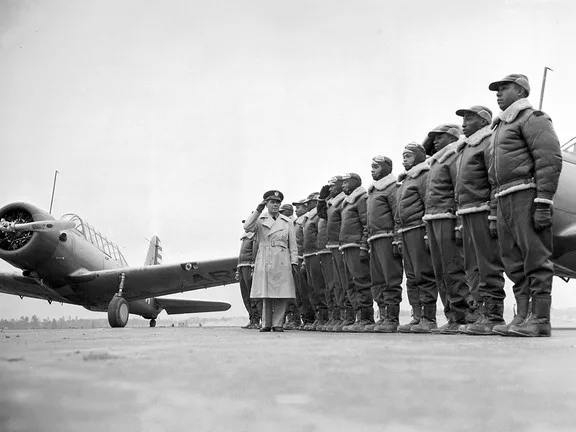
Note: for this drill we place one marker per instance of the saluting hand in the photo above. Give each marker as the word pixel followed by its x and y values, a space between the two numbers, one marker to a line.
pixel 261 206
pixel 324 192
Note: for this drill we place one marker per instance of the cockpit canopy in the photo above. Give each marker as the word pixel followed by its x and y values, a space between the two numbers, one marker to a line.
pixel 94 237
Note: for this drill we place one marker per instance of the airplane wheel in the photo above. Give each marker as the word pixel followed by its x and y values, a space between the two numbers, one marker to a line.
pixel 118 312
pixel 152 322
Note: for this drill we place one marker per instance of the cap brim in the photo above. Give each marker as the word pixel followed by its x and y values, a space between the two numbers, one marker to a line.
pixel 494 86
pixel 434 133
pixel 463 112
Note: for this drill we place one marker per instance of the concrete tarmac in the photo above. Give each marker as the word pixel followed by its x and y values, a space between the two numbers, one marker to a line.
pixel 229 379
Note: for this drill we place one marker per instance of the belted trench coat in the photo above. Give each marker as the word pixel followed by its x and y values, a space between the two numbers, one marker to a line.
pixel 277 251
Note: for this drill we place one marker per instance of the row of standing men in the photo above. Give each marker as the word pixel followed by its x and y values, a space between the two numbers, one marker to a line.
pixel 467 209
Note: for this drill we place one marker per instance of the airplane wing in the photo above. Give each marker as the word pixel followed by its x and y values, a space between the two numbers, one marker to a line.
pixel 16 284
pixel 151 281
pixel 176 306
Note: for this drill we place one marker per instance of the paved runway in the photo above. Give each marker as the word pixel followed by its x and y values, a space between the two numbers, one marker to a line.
pixel 228 379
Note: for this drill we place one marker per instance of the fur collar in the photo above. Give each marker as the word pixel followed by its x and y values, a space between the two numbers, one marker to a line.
pixel 383 183
pixel 510 113
pixel 311 213
pixel 446 152
pixel 476 138
pixel 358 192
pixel 334 201
pixel 415 171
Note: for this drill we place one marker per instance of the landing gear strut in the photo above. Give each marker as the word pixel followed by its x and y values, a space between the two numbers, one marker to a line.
pixel 118 310
pixel 152 322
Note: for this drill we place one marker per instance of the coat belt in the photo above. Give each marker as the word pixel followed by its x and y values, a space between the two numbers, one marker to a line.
pixel 278 243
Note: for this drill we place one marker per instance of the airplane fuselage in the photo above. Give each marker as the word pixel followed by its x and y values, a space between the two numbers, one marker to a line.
pixel 50 259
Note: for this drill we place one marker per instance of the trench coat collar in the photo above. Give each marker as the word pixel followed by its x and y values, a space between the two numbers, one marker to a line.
pixel 274 225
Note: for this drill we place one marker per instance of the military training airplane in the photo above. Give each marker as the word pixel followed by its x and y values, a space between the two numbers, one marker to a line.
pixel 68 261
pixel 564 217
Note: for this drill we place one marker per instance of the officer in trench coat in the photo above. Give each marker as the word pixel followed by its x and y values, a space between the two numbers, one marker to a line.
pixel 276 260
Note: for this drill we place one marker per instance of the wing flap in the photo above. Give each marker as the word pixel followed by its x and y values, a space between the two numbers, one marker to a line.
pixel 175 306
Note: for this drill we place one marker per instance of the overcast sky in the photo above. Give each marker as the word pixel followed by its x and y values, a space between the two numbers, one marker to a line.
pixel 173 117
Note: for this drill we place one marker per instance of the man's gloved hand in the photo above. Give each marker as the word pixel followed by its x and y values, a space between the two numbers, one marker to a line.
pixel 493 229
pixel 237 275
pixel 251 272
pixel 458 237
pixel 542 216
pixel 324 192
pixel 427 243
pixel 364 256
pixel 397 249
pixel 303 266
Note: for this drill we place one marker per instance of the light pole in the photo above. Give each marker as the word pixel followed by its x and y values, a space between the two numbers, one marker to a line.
pixel 546 69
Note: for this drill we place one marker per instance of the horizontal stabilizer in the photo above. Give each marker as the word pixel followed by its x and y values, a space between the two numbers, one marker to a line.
pixel 175 306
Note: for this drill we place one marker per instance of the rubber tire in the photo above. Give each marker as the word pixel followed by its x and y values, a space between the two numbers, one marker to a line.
pixel 118 312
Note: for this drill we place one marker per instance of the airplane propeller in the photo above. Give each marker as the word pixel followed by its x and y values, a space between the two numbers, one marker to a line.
pixel 40 226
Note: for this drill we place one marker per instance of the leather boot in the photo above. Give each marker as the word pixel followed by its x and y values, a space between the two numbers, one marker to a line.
pixel 336 320
pixel 520 314
pixel 428 321
pixel 348 320
pixel 352 327
pixel 370 327
pixel 367 320
pixel 390 322
pixel 312 325
pixel 324 319
pixel 538 322
pixel 479 317
pixel 492 315
pixel 294 322
pixel 416 316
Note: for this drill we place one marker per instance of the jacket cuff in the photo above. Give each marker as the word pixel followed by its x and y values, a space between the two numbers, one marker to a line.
pixel 492 218
pixel 543 201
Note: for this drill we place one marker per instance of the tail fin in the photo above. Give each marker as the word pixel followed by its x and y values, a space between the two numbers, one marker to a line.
pixel 154 254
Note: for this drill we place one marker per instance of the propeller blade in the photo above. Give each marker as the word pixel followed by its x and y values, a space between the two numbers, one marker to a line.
pixel 39 226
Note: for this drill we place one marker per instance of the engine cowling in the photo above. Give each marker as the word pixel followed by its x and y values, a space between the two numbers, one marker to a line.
pixel 26 249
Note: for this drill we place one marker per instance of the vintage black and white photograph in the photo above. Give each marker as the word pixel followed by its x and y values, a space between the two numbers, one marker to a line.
pixel 300 216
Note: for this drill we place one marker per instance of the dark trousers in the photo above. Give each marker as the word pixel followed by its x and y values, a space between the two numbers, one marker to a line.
pixel 343 284
pixel 420 280
pixel 525 252
pixel 482 251
pixel 303 290
pixel 448 263
pixel 329 278
pixel 253 306
pixel 360 273
pixel 316 280
pixel 386 273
